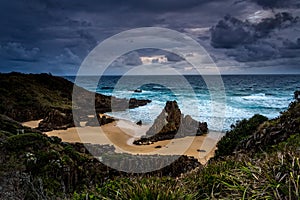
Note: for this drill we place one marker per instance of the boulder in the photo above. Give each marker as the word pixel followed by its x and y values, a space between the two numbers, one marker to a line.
pixel 172 123
pixel 99 121
pixel 296 95
pixel 56 120
pixel 138 90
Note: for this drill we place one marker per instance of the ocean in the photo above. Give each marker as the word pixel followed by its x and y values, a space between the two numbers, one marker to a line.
pixel 245 95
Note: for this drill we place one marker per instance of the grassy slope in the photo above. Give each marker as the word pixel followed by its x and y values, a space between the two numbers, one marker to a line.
pixel 28 97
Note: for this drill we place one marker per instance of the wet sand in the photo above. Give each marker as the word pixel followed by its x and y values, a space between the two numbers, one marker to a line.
pixel 122 133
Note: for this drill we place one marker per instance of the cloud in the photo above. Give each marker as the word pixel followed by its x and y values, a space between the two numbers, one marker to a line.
pixel 277 3
pixel 129 59
pixel 60 33
pixel 251 42
pixel 145 5
pixel 68 57
pixel 292 45
pixel 16 51
pixel 255 52
pixel 154 59
pixel 231 32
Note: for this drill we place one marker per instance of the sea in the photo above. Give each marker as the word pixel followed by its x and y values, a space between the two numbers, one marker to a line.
pixel 234 97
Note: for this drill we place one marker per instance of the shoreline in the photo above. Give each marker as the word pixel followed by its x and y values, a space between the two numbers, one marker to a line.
pixel 121 134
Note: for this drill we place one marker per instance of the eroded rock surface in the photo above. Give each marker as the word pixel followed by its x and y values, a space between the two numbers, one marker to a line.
pixel 171 123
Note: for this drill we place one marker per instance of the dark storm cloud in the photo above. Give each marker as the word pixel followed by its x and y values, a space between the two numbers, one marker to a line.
pixel 258 51
pixel 105 5
pixel 292 45
pixel 57 32
pixel 277 3
pixel 56 35
pixel 231 32
pixel 17 52
pixel 248 42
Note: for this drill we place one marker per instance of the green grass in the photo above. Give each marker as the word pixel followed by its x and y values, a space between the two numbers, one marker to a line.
pixel 153 188
pixel 242 130
pixel 24 97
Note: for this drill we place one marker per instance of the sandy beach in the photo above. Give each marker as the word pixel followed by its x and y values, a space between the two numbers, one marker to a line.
pixel 122 133
pixel 32 124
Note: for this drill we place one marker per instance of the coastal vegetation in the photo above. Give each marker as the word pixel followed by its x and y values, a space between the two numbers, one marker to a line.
pixel 257 159
pixel 26 97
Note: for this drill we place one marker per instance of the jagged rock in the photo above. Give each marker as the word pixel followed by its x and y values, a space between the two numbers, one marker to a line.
pixel 296 95
pixel 134 103
pixel 57 120
pixel 140 123
pixel 138 90
pixel 171 123
pixel 96 121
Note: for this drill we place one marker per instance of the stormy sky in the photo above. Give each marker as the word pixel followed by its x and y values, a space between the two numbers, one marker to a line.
pixel 241 36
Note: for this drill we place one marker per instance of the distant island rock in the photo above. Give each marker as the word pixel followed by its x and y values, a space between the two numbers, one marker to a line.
pixel 138 90
pixel 140 123
pixel 172 123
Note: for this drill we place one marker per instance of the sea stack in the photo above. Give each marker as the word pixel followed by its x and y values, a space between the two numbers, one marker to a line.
pixel 171 123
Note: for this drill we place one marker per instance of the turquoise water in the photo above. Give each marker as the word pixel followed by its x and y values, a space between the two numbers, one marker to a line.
pixel 246 95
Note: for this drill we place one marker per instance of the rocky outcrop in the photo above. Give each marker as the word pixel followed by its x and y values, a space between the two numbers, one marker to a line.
pixel 171 123
pixel 99 120
pixel 57 120
pixel 117 104
pixel 297 95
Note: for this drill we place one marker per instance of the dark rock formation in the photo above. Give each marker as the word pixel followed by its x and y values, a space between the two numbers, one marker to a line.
pixel 171 123
pixel 296 95
pixel 57 120
pixel 99 121
pixel 134 103
pixel 140 123
pixel 138 90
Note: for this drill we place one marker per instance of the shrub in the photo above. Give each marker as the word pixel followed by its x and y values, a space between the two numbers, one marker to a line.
pixel 27 140
pixel 139 188
pixel 240 131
